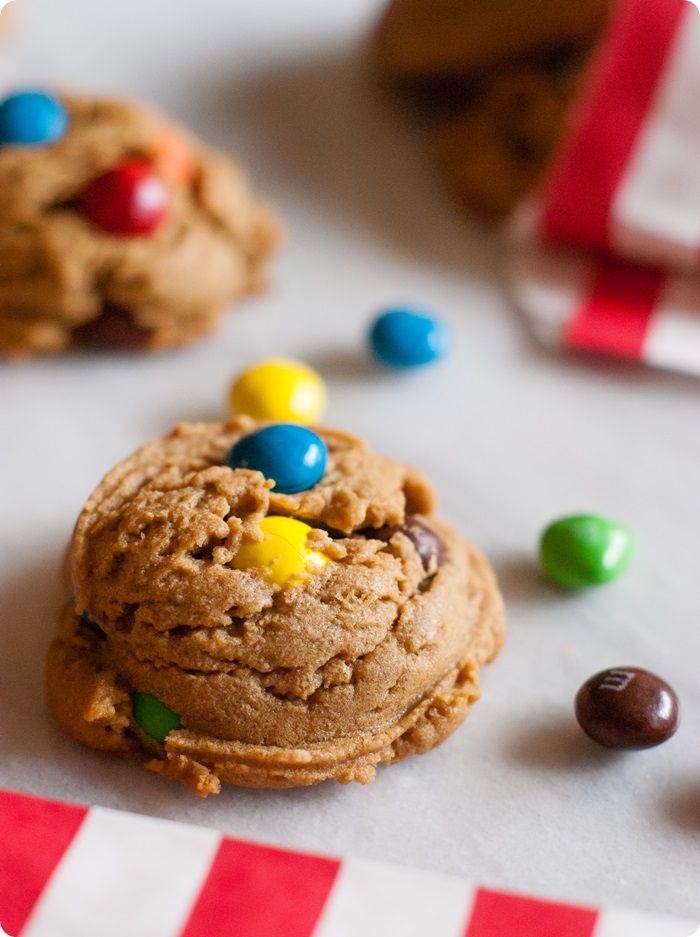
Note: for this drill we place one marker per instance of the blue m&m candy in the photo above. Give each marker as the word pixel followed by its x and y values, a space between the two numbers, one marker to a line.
pixel 294 456
pixel 408 338
pixel 30 118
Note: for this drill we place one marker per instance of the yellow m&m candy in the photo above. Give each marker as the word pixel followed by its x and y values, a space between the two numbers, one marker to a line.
pixel 282 555
pixel 279 389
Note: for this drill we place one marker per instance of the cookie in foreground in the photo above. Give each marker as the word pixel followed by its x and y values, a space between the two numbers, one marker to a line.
pixel 225 631
pixel 117 228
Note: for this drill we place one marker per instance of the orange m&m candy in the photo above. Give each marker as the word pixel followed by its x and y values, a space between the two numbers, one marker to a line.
pixel 172 158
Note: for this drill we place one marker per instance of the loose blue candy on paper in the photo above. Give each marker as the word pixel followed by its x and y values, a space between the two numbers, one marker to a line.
pixel 32 118
pixel 408 338
pixel 294 456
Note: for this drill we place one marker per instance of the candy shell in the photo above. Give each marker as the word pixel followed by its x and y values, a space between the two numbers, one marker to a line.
pixel 408 338
pixel 628 708
pixel 426 542
pixel 282 555
pixel 172 158
pixel 585 550
pixel 88 622
pixel 153 716
pixel 294 456
pixel 113 330
pixel 279 389
pixel 32 118
pixel 130 199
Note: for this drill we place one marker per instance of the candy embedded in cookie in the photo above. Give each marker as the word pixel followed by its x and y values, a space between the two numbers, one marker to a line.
pixel 113 330
pixel 282 556
pixel 266 638
pixel 171 157
pixel 130 199
pixel 104 205
pixel 154 717
pixel 426 542
pixel 294 456
pixel 89 625
pixel 32 118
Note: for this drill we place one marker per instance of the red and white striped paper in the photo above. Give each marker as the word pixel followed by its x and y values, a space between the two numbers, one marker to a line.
pixel 68 871
pixel 608 260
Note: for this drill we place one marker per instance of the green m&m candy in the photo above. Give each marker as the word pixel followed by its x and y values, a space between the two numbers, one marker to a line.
pixel 154 717
pixel 585 550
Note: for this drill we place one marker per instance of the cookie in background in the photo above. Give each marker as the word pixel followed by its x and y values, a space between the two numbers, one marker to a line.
pixel 495 80
pixel 118 229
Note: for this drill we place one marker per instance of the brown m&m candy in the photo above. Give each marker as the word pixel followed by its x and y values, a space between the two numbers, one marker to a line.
pixel 429 546
pixel 114 329
pixel 627 708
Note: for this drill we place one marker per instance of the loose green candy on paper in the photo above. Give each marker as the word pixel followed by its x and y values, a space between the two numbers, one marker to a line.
pixel 585 550
pixel 154 717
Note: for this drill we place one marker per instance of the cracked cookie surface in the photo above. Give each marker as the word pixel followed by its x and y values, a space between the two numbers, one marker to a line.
pixel 65 282
pixel 369 659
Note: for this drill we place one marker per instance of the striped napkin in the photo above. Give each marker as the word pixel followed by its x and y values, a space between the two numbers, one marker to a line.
pixel 608 259
pixel 68 871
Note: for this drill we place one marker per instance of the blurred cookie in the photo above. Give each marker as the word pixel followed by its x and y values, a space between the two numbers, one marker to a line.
pixel 421 39
pixel 494 151
pixel 495 80
pixel 117 228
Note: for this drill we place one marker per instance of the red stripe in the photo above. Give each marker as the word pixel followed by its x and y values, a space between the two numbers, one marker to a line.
pixel 256 891
pixel 615 316
pixel 500 915
pixel 579 193
pixel 34 835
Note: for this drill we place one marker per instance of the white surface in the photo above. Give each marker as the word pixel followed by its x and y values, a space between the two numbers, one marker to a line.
pixel 511 435
pixel 134 878
pixel 673 339
pixel 613 923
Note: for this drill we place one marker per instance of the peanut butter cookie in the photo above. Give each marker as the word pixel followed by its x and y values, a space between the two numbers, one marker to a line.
pixel 495 80
pixel 422 39
pixel 117 228
pixel 493 152
pixel 227 631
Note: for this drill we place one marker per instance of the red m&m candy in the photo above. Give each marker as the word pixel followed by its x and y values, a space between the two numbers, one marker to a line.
pixel 130 199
